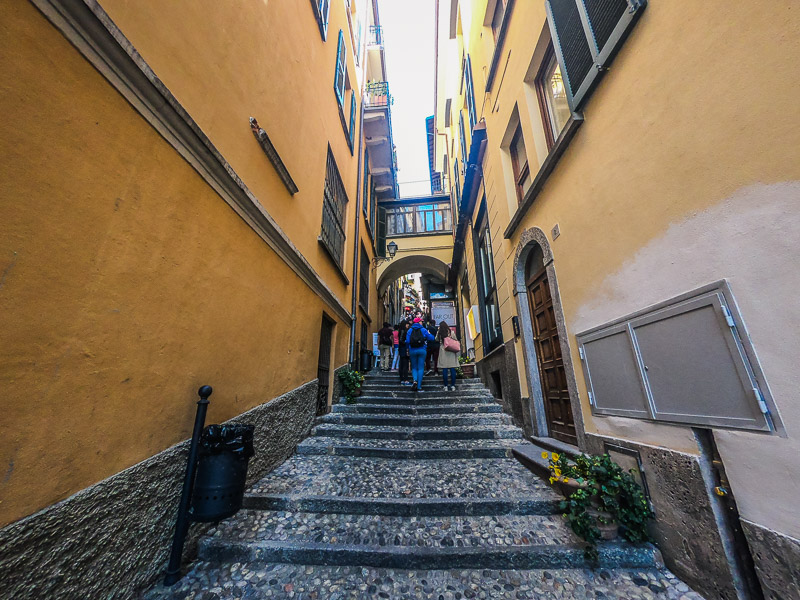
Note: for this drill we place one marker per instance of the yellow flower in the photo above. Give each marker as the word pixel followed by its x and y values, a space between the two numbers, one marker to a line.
pixel 544 454
pixel 565 479
pixel 557 471
pixel 555 456
pixel 552 480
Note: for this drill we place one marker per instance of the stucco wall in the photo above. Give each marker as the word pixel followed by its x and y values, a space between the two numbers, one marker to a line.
pixel 125 282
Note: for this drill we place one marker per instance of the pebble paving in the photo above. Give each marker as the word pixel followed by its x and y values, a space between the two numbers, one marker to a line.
pixel 382 478
pixel 306 554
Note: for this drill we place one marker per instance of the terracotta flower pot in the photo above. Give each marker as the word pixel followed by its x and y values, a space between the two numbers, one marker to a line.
pixel 608 531
pixel 469 370
pixel 566 488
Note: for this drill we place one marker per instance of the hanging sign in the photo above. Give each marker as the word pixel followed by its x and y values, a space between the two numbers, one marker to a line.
pixel 444 311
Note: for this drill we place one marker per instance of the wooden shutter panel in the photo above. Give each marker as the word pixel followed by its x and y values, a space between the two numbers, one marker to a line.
pixel 572 49
pixel 608 23
pixel 381 237
pixel 586 35
pixel 338 82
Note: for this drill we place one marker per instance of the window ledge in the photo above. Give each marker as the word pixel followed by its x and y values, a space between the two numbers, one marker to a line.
pixel 425 234
pixel 339 268
pixel 548 166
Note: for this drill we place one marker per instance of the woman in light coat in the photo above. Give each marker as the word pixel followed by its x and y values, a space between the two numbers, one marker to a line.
pixel 448 358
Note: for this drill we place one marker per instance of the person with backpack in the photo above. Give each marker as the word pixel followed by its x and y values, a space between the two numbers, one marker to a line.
pixel 432 358
pixel 448 356
pixel 385 343
pixel 403 352
pixel 417 340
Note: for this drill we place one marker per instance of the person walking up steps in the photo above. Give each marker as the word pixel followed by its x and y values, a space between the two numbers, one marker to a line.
pixel 417 340
pixel 432 358
pixel 403 352
pixel 448 355
pixel 385 343
pixel 396 353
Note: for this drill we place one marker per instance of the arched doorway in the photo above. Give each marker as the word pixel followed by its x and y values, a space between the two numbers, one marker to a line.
pixel 555 407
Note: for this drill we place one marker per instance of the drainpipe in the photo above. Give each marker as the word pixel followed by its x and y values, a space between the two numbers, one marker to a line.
pixel 357 241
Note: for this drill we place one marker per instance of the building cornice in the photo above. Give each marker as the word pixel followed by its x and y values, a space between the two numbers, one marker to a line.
pixel 89 28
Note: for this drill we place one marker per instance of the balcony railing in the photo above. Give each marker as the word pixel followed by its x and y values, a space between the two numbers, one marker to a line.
pixel 375 36
pixel 377 94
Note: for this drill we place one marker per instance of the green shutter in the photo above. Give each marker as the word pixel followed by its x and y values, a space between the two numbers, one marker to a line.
pixel 338 81
pixel 381 237
pixel 352 121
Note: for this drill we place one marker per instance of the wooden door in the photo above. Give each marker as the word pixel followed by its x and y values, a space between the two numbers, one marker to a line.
pixel 551 364
pixel 324 365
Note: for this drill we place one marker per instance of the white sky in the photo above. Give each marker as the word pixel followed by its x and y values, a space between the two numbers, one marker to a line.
pixel 408 27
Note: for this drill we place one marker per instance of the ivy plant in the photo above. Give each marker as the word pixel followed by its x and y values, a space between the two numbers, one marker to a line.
pixel 351 381
pixel 604 488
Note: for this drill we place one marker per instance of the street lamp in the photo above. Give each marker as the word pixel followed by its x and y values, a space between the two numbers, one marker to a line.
pixel 391 248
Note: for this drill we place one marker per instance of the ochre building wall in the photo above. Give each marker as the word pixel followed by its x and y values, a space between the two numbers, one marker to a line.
pixel 125 281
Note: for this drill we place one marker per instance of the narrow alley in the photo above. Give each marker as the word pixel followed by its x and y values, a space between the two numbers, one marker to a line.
pixel 401 299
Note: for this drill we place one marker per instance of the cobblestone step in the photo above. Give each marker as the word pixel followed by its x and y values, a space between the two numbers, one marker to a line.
pixel 404 507
pixel 244 580
pixel 415 400
pixel 399 409
pixel 404 449
pixel 436 382
pixel 417 422
pixel 430 392
pixel 467 432
pixel 380 478
pixel 463 531
pixel 612 555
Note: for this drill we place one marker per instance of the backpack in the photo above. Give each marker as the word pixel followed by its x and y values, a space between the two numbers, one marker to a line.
pixel 417 339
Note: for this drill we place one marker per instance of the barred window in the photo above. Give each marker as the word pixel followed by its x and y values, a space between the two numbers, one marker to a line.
pixel 421 218
pixel 333 210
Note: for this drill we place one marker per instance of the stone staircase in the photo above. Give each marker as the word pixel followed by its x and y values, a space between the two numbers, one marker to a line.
pixel 412 495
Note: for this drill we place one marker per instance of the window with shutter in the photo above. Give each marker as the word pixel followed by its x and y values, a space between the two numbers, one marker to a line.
pixel 334 203
pixel 380 245
pixel 322 9
pixel 470 93
pixel 586 35
pixel 341 62
pixel 463 137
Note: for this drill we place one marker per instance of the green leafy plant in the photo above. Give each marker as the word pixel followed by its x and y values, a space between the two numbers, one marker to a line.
pixel 351 381
pixel 605 494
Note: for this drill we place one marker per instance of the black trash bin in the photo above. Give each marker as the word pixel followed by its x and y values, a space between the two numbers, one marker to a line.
pixel 224 453
pixel 366 361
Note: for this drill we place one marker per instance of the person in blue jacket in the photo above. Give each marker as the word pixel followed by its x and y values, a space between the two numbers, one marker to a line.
pixel 417 339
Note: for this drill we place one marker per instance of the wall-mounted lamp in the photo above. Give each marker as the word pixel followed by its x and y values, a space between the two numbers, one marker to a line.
pixel 391 248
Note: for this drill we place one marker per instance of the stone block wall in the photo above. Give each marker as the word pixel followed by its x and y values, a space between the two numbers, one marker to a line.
pixel 777 560
pixel 112 540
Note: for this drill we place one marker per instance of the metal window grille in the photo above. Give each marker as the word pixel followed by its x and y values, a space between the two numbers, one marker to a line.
pixel 333 209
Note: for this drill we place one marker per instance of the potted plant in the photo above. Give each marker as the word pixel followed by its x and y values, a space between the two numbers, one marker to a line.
pixel 351 381
pixel 466 370
pixel 601 499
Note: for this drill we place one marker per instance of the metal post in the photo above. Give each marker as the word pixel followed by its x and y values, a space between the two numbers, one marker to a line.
pixel 182 524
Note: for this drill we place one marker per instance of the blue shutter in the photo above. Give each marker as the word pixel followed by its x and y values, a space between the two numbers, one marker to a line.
pixel 473 118
pixel 338 81
pixel 463 137
pixel 352 120
pixel 324 15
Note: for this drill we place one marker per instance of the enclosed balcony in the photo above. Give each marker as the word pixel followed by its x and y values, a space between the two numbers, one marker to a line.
pixel 378 137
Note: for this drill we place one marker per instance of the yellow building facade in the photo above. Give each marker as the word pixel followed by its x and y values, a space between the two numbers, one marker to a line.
pixel 609 202
pixel 185 202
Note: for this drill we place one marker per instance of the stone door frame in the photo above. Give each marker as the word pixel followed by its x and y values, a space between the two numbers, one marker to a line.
pixel 529 239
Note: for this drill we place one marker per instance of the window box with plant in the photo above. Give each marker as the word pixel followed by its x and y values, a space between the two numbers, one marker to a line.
pixel 602 500
pixel 466 370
